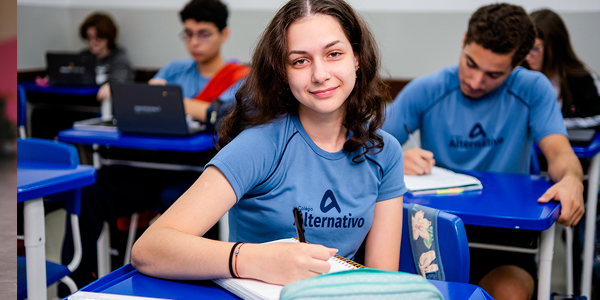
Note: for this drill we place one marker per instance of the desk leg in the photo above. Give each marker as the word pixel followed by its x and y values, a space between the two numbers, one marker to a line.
pixel 96 156
pixel 35 243
pixel 590 227
pixel 545 268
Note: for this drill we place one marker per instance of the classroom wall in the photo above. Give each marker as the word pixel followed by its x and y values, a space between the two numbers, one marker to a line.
pixel 415 39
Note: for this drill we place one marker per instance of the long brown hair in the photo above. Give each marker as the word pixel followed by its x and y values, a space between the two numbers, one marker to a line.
pixel 559 58
pixel 266 95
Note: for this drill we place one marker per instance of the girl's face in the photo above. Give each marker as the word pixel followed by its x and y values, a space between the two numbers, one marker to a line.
pixel 321 66
pixel 97 45
pixel 535 58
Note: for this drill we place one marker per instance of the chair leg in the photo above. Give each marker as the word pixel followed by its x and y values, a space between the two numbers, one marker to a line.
pixel 103 249
pixel 130 239
pixel 70 284
pixel 569 258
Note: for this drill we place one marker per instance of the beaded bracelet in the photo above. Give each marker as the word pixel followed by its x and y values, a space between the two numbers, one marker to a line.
pixel 237 275
pixel 231 260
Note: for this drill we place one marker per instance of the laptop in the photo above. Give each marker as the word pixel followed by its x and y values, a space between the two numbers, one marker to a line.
pixel 151 109
pixel 67 68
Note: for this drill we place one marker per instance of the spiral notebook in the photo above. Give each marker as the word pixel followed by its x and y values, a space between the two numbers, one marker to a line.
pixel 259 290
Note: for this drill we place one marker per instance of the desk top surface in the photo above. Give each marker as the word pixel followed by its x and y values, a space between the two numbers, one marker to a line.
pixel 194 143
pixel 128 281
pixel 84 90
pixel 35 179
pixel 506 201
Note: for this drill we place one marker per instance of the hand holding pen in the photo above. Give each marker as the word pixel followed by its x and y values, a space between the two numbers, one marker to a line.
pixel 417 161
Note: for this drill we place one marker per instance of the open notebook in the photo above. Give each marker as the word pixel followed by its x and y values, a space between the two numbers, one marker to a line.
pixel 441 181
pixel 259 290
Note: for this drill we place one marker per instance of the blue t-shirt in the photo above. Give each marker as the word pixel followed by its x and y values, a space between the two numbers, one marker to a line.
pixel 276 166
pixel 184 72
pixel 493 133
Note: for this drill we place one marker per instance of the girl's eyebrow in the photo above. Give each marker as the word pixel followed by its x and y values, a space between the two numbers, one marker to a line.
pixel 304 52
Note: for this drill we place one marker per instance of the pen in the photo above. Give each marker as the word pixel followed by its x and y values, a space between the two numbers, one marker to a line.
pixel 299 224
pixel 410 136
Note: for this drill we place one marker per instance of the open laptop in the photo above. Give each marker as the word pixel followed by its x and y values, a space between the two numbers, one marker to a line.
pixel 67 68
pixel 151 109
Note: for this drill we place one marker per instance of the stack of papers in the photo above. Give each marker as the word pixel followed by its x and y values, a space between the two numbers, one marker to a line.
pixel 441 181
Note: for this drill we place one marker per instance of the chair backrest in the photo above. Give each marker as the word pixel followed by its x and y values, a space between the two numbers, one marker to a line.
pixel 42 150
pixel 21 110
pixel 453 247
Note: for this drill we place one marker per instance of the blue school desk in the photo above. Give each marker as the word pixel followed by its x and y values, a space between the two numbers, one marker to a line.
pixel 194 143
pixel 128 281
pixel 61 90
pixel 96 138
pixel 54 108
pixel 506 201
pixel 34 181
pixel 590 151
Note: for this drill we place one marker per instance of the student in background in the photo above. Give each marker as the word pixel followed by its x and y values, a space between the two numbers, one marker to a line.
pixel 121 190
pixel 576 86
pixel 304 132
pixel 485 114
pixel 206 76
pixel 100 35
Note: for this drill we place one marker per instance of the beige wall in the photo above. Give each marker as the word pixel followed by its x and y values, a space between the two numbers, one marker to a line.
pixel 412 43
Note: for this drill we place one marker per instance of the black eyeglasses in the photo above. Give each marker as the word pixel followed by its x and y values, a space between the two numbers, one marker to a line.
pixel 201 35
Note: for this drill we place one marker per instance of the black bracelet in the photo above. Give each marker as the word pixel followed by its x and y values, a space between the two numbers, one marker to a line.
pixel 231 258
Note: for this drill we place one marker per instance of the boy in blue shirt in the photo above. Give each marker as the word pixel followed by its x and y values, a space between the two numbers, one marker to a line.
pixel 485 114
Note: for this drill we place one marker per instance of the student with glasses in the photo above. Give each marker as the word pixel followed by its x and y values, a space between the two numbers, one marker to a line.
pixel 577 88
pixel 205 79
pixel 204 31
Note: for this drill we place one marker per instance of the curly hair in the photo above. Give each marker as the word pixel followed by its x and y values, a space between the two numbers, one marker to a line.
pixel 266 95
pixel 105 28
pixel 213 11
pixel 502 28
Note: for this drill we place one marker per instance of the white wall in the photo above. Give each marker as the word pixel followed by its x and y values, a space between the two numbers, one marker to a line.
pixel 415 37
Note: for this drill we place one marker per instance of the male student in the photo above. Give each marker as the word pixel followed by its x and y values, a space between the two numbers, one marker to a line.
pixel 205 76
pixel 485 114
pixel 205 79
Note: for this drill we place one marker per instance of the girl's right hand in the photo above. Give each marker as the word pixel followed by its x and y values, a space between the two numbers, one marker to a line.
pixel 282 263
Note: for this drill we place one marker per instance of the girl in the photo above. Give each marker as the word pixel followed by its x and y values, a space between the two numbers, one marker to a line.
pixel 304 133
pixel 576 87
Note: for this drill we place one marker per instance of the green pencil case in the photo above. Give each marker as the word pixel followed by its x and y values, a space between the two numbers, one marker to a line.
pixel 365 283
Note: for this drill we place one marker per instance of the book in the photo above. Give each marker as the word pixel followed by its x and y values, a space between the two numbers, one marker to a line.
pixel 259 290
pixel 441 181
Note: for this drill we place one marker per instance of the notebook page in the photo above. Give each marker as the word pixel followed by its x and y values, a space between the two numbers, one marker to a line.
pixel 255 289
pixel 439 178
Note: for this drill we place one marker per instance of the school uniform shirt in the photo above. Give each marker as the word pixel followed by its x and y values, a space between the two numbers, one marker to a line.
pixel 492 133
pixel 184 73
pixel 277 166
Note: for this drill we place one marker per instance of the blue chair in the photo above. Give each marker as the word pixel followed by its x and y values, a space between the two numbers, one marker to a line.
pixel 454 247
pixel 21 111
pixel 41 150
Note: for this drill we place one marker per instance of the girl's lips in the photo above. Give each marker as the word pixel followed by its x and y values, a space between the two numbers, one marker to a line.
pixel 324 93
